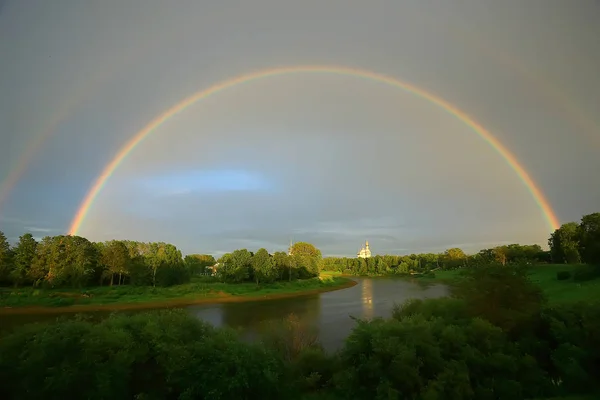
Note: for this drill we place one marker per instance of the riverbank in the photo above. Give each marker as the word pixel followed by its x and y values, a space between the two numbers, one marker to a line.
pixel 58 301
pixel 545 275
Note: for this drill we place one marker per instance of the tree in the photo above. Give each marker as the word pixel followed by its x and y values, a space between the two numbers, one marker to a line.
pixel 115 257
pixel 564 244
pixel 6 262
pixel 282 265
pixel 72 261
pixel 454 257
pixel 503 295
pixel 235 267
pixel 589 236
pixel 197 263
pixel 24 253
pixel 455 254
pixel 305 249
pixel 263 267
pixel 500 254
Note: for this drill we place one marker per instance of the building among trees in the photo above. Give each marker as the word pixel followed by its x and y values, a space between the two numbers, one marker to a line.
pixel 365 252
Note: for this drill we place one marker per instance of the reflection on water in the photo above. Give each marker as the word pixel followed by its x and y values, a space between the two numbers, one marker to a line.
pixel 329 312
pixel 367 298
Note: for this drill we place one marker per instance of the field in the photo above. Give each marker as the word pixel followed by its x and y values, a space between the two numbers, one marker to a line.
pixel 201 290
pixel 567 291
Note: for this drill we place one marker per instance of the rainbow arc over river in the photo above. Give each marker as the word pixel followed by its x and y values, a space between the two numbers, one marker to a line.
pixel 181 106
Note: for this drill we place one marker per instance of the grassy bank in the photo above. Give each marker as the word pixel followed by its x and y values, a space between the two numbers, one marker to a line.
pixel 131 297
pixel 565 291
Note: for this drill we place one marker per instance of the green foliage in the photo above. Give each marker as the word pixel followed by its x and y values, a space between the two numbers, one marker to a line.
pixel 24 253
pixel 415 357
pixel 263 267
pixel 564 244
pixel 573 243
pixel 6 259
pixel 197 263
pixel 156 356
pixel 289 337
pixel 563 275
pixel 589 233
pixel 503 295
pixel 235 267
pixel 305 249
pixel 429 349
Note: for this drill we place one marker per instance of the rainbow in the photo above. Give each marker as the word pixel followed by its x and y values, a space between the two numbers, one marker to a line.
pixel 570 109
pixel 510 159
pixel 82 93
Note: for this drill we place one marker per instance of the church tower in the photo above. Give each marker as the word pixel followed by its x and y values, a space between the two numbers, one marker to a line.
pixel 365 252
pixel 290 248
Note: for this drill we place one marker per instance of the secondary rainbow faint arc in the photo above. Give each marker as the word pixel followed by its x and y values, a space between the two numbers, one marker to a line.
pixel 537 194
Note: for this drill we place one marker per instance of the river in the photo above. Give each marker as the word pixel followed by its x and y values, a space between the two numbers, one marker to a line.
pixel 329 312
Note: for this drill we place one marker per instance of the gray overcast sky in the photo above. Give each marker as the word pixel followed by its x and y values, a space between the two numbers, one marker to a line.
pixel 324 158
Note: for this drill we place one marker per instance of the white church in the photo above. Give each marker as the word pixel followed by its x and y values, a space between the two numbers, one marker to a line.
pixel 365 252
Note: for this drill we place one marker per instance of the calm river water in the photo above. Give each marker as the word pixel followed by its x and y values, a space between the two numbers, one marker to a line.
pixel 329 312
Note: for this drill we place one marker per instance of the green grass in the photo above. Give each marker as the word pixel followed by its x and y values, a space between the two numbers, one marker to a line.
pixel 331 273
pixel 198 289
pixel 567 291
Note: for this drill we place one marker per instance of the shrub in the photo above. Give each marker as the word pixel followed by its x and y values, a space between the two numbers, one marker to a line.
pixel 289 337
pixel 563 275
pixel 417 358
pixel 159 355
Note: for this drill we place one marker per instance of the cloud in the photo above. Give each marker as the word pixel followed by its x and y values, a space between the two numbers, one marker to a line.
pixel 39 229
pixel 204 181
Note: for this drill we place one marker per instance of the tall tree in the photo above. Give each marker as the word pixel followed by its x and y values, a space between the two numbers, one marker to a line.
pixel 305 249
pixel 6 262
pixel 263 267
pixel 564 244
pixel 24 253
pixel 115 258
pixel 282 264
pixel 235 267
pixel 197 263
pixel 589 233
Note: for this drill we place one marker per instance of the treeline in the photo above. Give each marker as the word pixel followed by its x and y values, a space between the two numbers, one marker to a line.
pixel 261 267
pixel 495 339
pixel 572 243
pixel 450 259
pixel 74 261
pixel 575 243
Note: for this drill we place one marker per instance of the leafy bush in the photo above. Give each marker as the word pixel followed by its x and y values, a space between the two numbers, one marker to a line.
pixel 158 355
pixel 563 275
pixel 432 359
